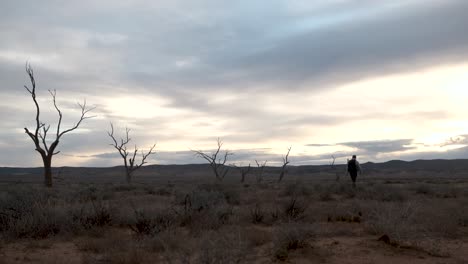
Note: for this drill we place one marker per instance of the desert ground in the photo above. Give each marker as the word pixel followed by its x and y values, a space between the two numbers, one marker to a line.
pixel 184 215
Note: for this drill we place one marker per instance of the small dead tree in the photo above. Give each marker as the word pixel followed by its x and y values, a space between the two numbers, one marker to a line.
pixel 283 168
pixel 216 162
pixel 260 170
pixel 129 156
pixel 332 166
pixel 243 171
pixel 47 148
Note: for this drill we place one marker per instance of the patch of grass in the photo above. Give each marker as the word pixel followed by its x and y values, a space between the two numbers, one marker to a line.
pixel 226 246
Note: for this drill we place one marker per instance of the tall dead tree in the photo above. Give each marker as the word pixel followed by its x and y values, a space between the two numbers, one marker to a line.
pixel 45 147
pixel 243 171
pixel 285 163
pixel 129 156
pixel 260 170
pixel 216 162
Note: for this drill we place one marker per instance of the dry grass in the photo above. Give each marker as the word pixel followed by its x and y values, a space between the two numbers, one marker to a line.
pixel 230 222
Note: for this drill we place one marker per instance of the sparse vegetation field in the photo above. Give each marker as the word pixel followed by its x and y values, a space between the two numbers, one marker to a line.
pixel 201 220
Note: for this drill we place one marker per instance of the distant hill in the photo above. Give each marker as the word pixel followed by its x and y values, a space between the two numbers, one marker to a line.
pixel 394 168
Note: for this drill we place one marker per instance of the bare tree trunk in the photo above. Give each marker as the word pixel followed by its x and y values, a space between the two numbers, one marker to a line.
pixel 285 163
pixel 129 177
pixel 47 170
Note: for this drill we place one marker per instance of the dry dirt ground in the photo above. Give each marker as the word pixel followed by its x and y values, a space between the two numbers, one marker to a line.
pixel 183 220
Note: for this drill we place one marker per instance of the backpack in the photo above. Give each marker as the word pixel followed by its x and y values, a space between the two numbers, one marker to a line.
pixel 352 166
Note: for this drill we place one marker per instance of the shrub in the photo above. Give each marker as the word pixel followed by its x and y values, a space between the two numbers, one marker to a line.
pixel 24 212
pixel 92 214
pixel 257 214
pixel 294 209
pixel 394 220
pixel 290 237
pixel 152 223
pixel 202 210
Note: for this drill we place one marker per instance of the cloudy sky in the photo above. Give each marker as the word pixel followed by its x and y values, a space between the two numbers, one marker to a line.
pixel 380 79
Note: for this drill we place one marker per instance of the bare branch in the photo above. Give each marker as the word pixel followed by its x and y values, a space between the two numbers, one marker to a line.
pixel 285 163
pixel 129 162
pixel 260 169
pixel 43 136
pixel 217 164
pixel 32 91
pixel 243 171
pixel 84 111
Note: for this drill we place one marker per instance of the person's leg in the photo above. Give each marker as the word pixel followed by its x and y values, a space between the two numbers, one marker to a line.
pixel 353 177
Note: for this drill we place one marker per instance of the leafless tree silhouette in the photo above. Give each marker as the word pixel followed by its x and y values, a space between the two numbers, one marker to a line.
pixel 127 155
pixel 47 148
pixel 243 171
pixel 260 170
pixel 285 163
pixel 332 166
pixel 216 162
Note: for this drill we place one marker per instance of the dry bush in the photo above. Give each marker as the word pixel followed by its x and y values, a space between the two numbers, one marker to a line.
pixel 152 222
pixel 394 220
pixel 257 214
pixel 41 222
pixel 24 212
pixel 203 210
pixel 231 194
pixel 91 214
pixel 173 245
pixel 291 236
pixel 294 209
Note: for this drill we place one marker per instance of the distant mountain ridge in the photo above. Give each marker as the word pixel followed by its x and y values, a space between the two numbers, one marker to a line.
pixel 438 165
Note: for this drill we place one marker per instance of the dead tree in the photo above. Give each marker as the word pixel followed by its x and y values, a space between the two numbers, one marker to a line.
pixel 129 156
pixel 332 166
pixel 260 170
pixel 216 162
pixel 285 163
pixel 47 148
pixel 243 171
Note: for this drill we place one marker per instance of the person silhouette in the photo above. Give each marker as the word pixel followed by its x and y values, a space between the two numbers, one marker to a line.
pixel 353 168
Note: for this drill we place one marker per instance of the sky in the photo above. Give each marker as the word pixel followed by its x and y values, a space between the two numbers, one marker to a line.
pixel 383 80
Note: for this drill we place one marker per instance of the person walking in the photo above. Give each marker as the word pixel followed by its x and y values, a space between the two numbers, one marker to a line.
pixel 353 168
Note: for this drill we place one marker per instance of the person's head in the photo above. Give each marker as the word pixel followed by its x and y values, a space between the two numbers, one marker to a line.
pixel 354 156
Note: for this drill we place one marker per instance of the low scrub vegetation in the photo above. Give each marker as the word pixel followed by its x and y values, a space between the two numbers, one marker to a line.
pixel 230 223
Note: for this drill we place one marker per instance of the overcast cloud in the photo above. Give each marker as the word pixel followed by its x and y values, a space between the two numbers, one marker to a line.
pixel 379 79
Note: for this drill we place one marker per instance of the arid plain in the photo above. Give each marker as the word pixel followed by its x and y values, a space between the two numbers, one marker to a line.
pixel 400 212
